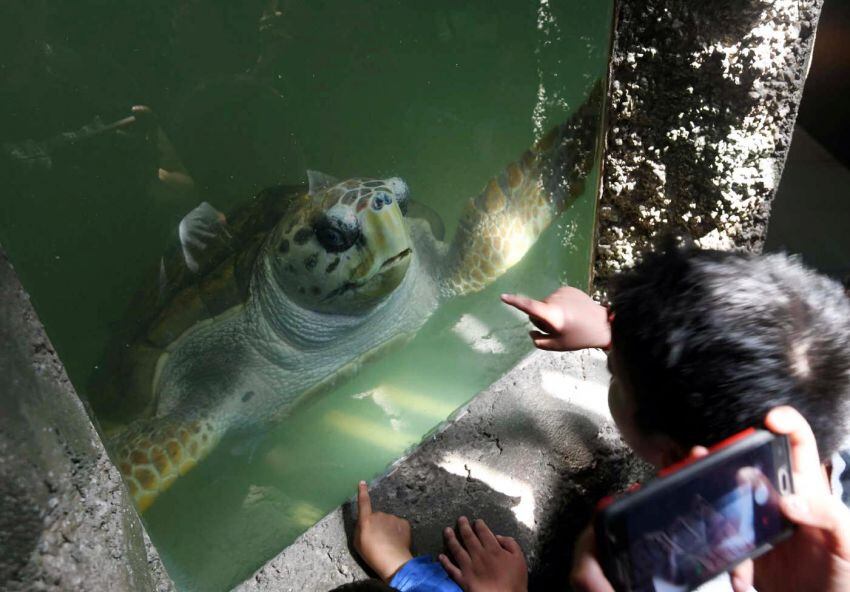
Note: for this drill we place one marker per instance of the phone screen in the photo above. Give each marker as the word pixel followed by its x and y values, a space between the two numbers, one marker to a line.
pixel 693 528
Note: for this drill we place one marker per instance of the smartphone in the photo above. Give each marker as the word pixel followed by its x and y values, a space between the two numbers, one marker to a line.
pixel 698 518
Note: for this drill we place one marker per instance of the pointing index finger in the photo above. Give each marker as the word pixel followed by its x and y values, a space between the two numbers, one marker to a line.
pixel 364 502
pixel 525 304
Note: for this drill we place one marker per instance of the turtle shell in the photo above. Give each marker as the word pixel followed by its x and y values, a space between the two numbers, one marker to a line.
pixel 205 273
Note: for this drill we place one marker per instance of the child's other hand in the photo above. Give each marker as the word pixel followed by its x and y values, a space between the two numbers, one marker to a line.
pixel 383 540
pixel 567 319
pixel 484 562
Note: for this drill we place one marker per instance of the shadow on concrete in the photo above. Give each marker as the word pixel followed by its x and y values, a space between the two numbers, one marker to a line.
pixel 518 446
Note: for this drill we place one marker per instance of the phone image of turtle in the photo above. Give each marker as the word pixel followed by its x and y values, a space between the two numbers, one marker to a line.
pixel 699 518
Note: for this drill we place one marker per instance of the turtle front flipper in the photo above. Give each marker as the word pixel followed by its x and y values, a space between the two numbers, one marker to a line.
pixel 152 453
pixel 500 225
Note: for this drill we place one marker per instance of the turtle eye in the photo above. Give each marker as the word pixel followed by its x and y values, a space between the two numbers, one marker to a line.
pixel 334 235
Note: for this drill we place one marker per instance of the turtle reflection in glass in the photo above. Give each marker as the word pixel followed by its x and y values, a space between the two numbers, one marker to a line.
pixel 296 288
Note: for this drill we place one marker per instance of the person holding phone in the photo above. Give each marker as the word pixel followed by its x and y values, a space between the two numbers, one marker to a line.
pixel 704 344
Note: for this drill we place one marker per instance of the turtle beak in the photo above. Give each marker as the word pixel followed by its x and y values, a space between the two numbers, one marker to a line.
pixel 396 258
pixel 388 248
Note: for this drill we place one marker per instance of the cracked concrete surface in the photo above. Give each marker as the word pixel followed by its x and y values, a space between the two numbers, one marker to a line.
pixel 530 455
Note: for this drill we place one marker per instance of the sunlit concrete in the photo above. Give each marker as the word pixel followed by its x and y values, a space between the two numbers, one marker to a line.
pixel 590 395
pixel 498 481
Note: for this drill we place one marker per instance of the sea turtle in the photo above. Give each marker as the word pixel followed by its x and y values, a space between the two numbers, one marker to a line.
pixel 299 286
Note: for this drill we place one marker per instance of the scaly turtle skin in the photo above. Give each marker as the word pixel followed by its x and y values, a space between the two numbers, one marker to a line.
pixel 298 287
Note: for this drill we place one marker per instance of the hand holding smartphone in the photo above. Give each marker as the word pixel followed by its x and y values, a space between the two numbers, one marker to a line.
pixel 699 518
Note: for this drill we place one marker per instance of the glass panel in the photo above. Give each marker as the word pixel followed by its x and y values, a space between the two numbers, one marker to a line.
pixel 251 358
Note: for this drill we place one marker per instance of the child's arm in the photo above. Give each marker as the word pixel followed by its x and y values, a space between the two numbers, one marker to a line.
pixel 568 319
pixel 383 541
pixel 423 574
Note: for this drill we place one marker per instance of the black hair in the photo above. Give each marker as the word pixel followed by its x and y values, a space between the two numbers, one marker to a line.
pixel 710 341
pixel 364 586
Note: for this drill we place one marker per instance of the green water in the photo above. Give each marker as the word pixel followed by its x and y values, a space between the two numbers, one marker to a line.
pixel 443 94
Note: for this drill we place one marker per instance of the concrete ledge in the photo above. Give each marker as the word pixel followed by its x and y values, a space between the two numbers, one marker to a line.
pixel 66 522
pixel 530 455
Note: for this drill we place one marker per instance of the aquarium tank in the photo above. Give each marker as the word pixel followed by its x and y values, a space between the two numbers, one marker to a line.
pixel 267 238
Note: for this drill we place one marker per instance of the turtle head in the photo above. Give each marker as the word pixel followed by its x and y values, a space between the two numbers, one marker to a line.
pixel 347 247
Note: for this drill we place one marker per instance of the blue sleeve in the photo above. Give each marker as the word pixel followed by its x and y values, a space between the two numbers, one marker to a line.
pixel 423 574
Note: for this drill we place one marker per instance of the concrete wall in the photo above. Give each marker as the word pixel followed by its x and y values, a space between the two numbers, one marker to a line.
pixel 66 522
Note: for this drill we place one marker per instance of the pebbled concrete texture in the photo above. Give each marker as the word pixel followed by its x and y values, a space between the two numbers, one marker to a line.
pixel 702 106
pixel 66 522
pixel 530 455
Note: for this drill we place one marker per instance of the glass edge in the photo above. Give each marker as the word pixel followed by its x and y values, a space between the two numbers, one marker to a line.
pixel 602 145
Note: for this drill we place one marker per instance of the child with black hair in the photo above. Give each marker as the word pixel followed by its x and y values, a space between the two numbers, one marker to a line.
pixel 704 344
